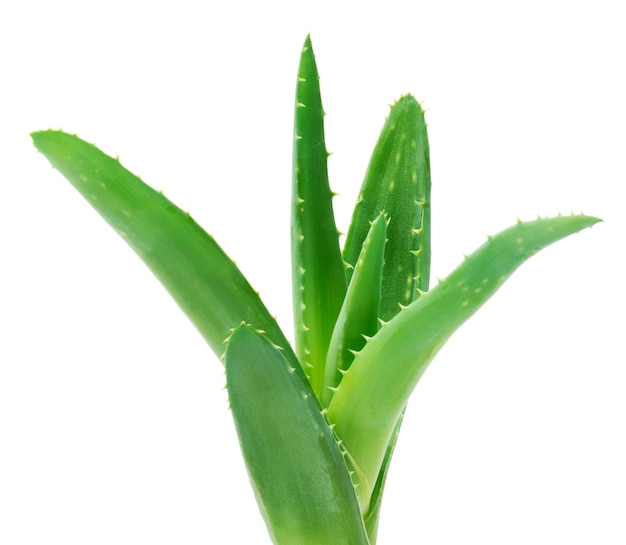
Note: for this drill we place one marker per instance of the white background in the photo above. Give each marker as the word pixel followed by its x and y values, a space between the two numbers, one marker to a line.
pixel 114 425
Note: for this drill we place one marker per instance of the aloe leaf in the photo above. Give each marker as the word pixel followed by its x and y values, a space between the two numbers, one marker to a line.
pixel 397 182
pixel 202 279
pixel 373 392
pixel 319 283
pixel 358 317
pixel 296 467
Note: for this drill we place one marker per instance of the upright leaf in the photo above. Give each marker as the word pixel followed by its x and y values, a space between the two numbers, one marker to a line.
pixel 358 318
pixel 397 182
pixel 201 278
pixel 296 467
pixel 319 283
pixel 374 391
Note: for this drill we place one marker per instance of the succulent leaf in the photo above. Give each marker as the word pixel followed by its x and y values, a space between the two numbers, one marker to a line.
pixel 358 318
pixel 319 283
pixel 367 404
pixel 296 467
pixel 201 278
pixel 397 182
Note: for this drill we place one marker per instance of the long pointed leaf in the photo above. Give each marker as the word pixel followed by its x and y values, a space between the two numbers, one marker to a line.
pixel 296 467
pixel 358 317
pixel 397 182
pixel 319 283
pixel 202 279
pixel 372 394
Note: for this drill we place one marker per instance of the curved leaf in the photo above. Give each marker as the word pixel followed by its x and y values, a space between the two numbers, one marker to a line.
pixel 201 278
pixel 372 394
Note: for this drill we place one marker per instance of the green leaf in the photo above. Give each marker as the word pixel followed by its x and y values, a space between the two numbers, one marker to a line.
pixel 372 394
pixel 296 467
pixel 397 182
pixel 358 317
pixel 319 283
pixel 202 279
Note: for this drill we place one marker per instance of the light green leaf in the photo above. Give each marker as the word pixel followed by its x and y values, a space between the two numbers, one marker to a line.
pixel 296 467
pixel 201 278
pixel 372 394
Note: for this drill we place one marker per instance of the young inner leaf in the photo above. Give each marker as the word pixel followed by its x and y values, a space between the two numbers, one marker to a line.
pixel 358 318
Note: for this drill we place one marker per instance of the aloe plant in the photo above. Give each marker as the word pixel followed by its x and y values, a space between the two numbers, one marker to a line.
pixel 317 425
